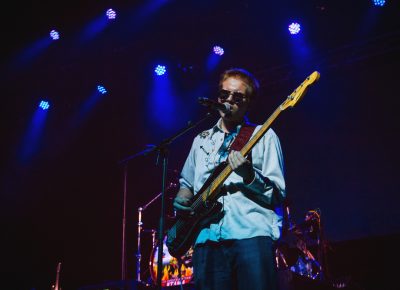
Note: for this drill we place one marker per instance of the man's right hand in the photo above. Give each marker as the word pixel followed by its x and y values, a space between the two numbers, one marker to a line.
pixel 182 201
pixel 182 204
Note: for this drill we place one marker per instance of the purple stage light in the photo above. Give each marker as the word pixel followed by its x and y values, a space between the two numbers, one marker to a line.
pixel 54 35
pixel 218 50
pixel 111 14
pixel 379 2
pixel 294 28
pixel 44 105
pixel 102 90
pixel 160 70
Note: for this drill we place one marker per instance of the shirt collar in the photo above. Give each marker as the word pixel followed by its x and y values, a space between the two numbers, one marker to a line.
pixel 217 126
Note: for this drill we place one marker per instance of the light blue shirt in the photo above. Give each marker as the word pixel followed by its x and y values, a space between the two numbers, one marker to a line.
pixel 248 210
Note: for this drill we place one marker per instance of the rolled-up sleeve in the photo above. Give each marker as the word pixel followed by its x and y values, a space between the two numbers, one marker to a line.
pixel 269 168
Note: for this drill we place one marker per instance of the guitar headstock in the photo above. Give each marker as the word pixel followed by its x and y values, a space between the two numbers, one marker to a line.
pixel 298 93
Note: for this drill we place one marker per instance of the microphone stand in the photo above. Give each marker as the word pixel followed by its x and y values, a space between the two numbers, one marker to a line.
pixel 162 150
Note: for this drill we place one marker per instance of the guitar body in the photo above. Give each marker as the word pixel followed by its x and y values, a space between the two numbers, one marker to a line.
pixel 204 204
pixel 183 233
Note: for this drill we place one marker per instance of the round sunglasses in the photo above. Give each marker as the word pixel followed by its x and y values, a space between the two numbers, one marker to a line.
pixel 237 97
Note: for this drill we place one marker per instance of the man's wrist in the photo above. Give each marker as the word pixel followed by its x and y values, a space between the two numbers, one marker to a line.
pixel 250 178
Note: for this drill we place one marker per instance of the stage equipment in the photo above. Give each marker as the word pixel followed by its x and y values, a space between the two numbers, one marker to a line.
pixel 379 3
pixel 162 151
pixel 214 105
pixel 294 249
pixel 160 70
pixel 56 285
pixel 44 105
pixel 218 50
pixel 174 271
pixel 102 90
pixel 54 35
pixel 111 14
pixel 140 230
pixel 294 28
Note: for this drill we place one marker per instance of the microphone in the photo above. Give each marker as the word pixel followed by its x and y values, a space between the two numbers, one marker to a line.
pixel 214 105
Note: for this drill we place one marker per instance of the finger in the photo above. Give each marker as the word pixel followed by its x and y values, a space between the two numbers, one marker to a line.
pixel 239 157
pixel 236 159
pixel 182 200
pixel 241 160
pixel 181 207
pixel 232 161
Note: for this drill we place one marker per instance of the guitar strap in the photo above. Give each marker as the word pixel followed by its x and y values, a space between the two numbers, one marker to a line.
pixel 243 137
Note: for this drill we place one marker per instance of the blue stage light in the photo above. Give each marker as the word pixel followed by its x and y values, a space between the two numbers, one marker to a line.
pixel 294 28
pixel 218 50
pixel 54 35
pixel 44 105
pixel 111 14
pixel 160 70
pixel 102 90
pixel 379 2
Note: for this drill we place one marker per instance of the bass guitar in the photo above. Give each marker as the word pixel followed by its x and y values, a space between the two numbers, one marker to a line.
pixel 182 234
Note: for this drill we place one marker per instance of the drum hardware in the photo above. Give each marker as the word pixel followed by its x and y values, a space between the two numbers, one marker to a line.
pixel 56 286
pixel 280 260
pixel 162 154
pixel 175 272
pixel 293 251
pixel 141 230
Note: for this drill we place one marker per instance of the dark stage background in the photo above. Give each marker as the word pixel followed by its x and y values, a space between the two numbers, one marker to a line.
pixel 64 202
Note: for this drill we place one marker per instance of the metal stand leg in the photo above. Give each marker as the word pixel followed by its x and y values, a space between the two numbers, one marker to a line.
pixel 138 253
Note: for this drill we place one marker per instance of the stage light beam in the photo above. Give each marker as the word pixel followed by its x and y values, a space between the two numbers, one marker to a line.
pixel 32 138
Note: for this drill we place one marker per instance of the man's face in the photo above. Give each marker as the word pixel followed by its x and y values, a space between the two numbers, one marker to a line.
pixel 239 102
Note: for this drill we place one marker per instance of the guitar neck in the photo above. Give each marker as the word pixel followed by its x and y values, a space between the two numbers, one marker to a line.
pixel 212 190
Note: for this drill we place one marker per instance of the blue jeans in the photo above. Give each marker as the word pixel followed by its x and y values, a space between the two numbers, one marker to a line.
pixel 235 264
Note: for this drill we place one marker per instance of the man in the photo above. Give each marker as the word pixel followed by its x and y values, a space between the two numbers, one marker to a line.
pixel 235 251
